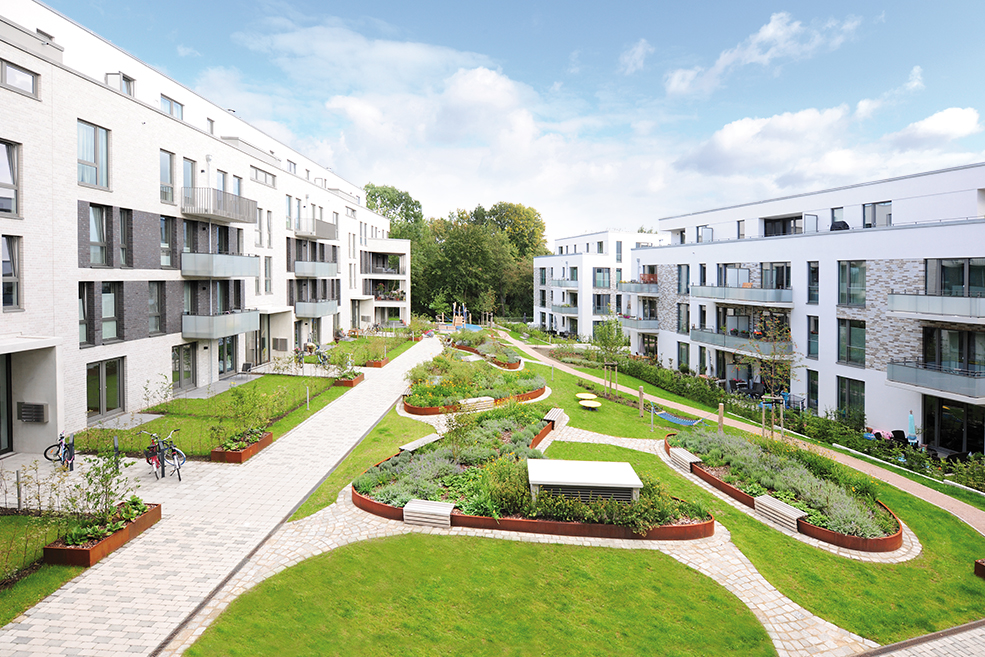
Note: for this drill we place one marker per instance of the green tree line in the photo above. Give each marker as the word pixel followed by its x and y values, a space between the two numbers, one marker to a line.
pixel 482 258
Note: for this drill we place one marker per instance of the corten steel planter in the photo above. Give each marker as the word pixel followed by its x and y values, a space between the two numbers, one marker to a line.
pixel 70 555
pixel 728 489
pixel 549 427
pixel 220 455
pixel 881 544
pixel 471 350
pixel 376 508
pixel 507 366
pixel 350 383
pixel 980 568
pixel 438 410
pixel 377 363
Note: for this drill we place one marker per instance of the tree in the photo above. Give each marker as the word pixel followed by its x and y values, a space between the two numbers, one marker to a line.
pixel 523 226
pixel 608 337
pixel 773 352
pixel 394 204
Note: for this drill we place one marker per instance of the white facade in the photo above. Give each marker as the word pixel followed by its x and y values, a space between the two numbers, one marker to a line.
pixel 885 312
pixel 582 282
pixel 155 238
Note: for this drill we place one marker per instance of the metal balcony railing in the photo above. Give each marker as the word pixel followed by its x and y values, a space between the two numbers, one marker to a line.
pixel 217 205
pixel 969 382
pixel 219 265
pixel 937 306
pixel 211 327
pixel 754 295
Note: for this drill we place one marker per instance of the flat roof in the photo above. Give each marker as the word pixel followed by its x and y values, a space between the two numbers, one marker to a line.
pixel 549 472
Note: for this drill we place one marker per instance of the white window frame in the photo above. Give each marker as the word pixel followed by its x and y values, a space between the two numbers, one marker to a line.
pixel 5 68
pixel 11 246
pixel 268 275
pixel 172 107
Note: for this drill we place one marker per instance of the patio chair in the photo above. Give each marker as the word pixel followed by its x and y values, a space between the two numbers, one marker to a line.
pixel 899 437
pixel 958 456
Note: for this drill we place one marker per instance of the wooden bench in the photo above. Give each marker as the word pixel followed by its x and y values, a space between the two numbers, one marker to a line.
pixel 558 417
pixel 779 512
pixel 430 514
pixel 682 458
pixel 477 404
pixel 420 442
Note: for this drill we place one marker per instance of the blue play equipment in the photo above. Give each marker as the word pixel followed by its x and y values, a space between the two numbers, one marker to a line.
pixel 678 420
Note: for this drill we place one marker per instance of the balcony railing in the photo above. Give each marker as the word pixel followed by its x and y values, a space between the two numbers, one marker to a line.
pixel 749 345
pixel 563 282
pixel 638 288
pixel 753 295
pixel 306 269
pixel 640 324
pixel 938 307
pixel 385 271
pixel 314 309
pixel 210 327
pixel 217 205
pixel 933 376
pixel 315 229
pixel 564 310
pixel 219 265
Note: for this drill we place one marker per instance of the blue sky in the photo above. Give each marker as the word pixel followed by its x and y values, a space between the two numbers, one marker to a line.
pixel 597 115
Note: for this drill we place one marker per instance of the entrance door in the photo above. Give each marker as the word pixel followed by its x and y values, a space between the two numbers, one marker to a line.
pixel 227 355
pixel 183 367
pixel 6 422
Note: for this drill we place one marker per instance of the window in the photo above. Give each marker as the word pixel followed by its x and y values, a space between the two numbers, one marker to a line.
pixel 851 395
pixel 683 317
pixel 740 229
pixel 851 341
pixel 8 179
pixel 211 126
pixel 220 180
pixel 188 298
pixel 167 177
pixel 702 274
pixel 560 250
pixel 812 390
pixel 11 272
pixel 15 77
pixel 600 247
pixel 85 304
pixel 618 251
pixel 155 296
pixel 683 355
pixel 127 84
pixel 618 276
pixel 258 240
pixel 292 167
pixel 683 279
pixel 290 209
pixel 110 310
pixel 270 229
pixel 648 344
pixel 783 226
pixel 543 276
pixel 812 332
pixel 601 277
pixel 951 350
pixel 956 277
pixel 573 273
pixel 167 241
pixel 172 107
pixel 851 282
pixel 268 275
pixel 237 186
pixel 349 212
pixel 813 281
pixel 543 298
pixel 775 275
pixel 98 239
pixel 126 237
pixel 104 388
pixel 837 214
pixel 600 305
pixel 188 173
pixel 877 215
pixel 93 155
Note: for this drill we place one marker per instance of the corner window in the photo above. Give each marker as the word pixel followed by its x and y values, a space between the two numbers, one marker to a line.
pixel 172 107
pixel 8 179
pixel 851 341
pixel 93 155
pixel 155 295
pixel 110 310
pixel 167 241
pixel 11 272
pixel 104 388
pixel 15 77
pixel 851 283
pixel 98 235
pixel 167 177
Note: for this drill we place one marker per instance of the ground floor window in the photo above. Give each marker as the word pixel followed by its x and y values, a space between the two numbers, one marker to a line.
pixel 683 355
pixel 954 426
pixel 104 388
pixel 648 345
pixel 183 366
pixel 227 355
pixel 851 396
pixel 812 390
pixel 702 360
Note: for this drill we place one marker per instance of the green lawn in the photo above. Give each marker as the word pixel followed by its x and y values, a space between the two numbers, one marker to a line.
pixel 366 348
pixel 516 335
pixel 32 589
pixel 650 389
pixel 441 595
pixel 382 442
pixel 22 539
pixel 885 603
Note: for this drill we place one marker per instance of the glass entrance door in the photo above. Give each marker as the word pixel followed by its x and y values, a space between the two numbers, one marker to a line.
pixel 183 366
pixel 227 355
pixel 6 423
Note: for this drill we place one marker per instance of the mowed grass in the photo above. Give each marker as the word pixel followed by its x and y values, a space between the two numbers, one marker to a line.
pixel 455 595
pixel 882 602
pixel 32 589
pixel 382 442
pixel 366 348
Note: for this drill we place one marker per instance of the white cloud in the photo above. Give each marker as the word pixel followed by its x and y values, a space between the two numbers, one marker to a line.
pixel 781 39
pixel 574 66
pixel 868 106
pixel 937 129
pixel 187 51
pixel 915 83
pixel 632 59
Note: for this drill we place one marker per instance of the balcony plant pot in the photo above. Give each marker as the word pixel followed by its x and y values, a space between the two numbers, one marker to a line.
pixel 220 455
pixel 350 383
pixel 74 555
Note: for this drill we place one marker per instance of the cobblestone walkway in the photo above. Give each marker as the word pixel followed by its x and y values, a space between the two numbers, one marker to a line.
pixel 132 600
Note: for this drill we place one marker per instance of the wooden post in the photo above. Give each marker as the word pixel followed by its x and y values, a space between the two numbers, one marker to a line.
pixel 641 401
pixel 721 417
pixel 763 427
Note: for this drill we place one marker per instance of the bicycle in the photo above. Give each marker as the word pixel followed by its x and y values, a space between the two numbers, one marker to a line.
pixel 61 452
pixel 161 453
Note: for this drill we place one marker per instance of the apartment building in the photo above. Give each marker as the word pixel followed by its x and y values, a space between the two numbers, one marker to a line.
pixel 880 285
pixel 153 240
pixel 583 282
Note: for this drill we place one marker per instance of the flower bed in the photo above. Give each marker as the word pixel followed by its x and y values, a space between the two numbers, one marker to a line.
pixel 351 382
pixel 454 408
pixel 447 379
pixel 242 450
pixel 377 363
pixel 88 554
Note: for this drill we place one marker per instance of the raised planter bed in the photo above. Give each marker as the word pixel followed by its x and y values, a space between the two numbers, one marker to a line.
pixel 438 410
pixel 219 455
pixel 377 363
pixel 471 350
pixel 507 366
pixel 980 568
pixel 350 383
pixel 728 489
pixel 71 555
pixel 549 427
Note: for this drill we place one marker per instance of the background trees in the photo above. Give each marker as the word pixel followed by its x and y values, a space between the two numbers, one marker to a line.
pixel 482 258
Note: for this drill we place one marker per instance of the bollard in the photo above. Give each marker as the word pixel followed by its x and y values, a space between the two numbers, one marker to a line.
pixel 20 502
pixel 721 417
pixel 307 398
pixel 71 453
pixel 641 401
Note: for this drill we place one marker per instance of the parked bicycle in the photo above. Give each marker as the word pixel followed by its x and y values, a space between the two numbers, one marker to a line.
pixel 61 452
pixel 162 453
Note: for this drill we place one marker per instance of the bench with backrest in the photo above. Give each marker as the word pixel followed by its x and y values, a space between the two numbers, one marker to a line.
pixel 558 417
pixel 778 512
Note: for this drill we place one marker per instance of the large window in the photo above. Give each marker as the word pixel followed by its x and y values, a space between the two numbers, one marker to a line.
pixel 11 272
pixel 188 298
pixel 167 242
pixel 183 366
pixel 268 275
pixel 618 251
pixel 167 177
pixel 104 388
pixel 172 107
pixel 683 317
pixel 812 333
pixel 776 275
pixel 851 282
pixel 85 306
pixel 813 282
pixel 601 304
pixel 93 155
pixel 543 275
pixel 648 308
pixel 953 350
pixel 8 179
pixel 543 298
pixel 601 277
pixel 851 395
pixel 98 235
pixel 15 77
pixel 126 238
pixel 111 309
pixel 648 344
pixel 261 176
pixel 956 277
pixel 812 390
pixel 683 355
pixel 851 341
pixel 155 302
pixel 683 279
pixel 875 215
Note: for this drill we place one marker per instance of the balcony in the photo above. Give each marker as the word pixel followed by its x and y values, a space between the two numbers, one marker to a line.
pixel 384 272
pixel 933 378
pixel 746 345
pixel 387 245
pixel 315 309
pixel 938 308
pixel 756 296
pixel 640 324
pixel 637 288
pixel 306 269
pixel 216 205
pixel 314 229
pixel 219 265
pixel 563 282
pixel 564 310
pixel 211 327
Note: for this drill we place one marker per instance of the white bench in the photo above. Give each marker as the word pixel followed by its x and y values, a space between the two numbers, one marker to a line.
pixel 420 442
pixel 425 512
pixel 682 458
pixel 779 512
pixel 477 404
pixel 558 417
